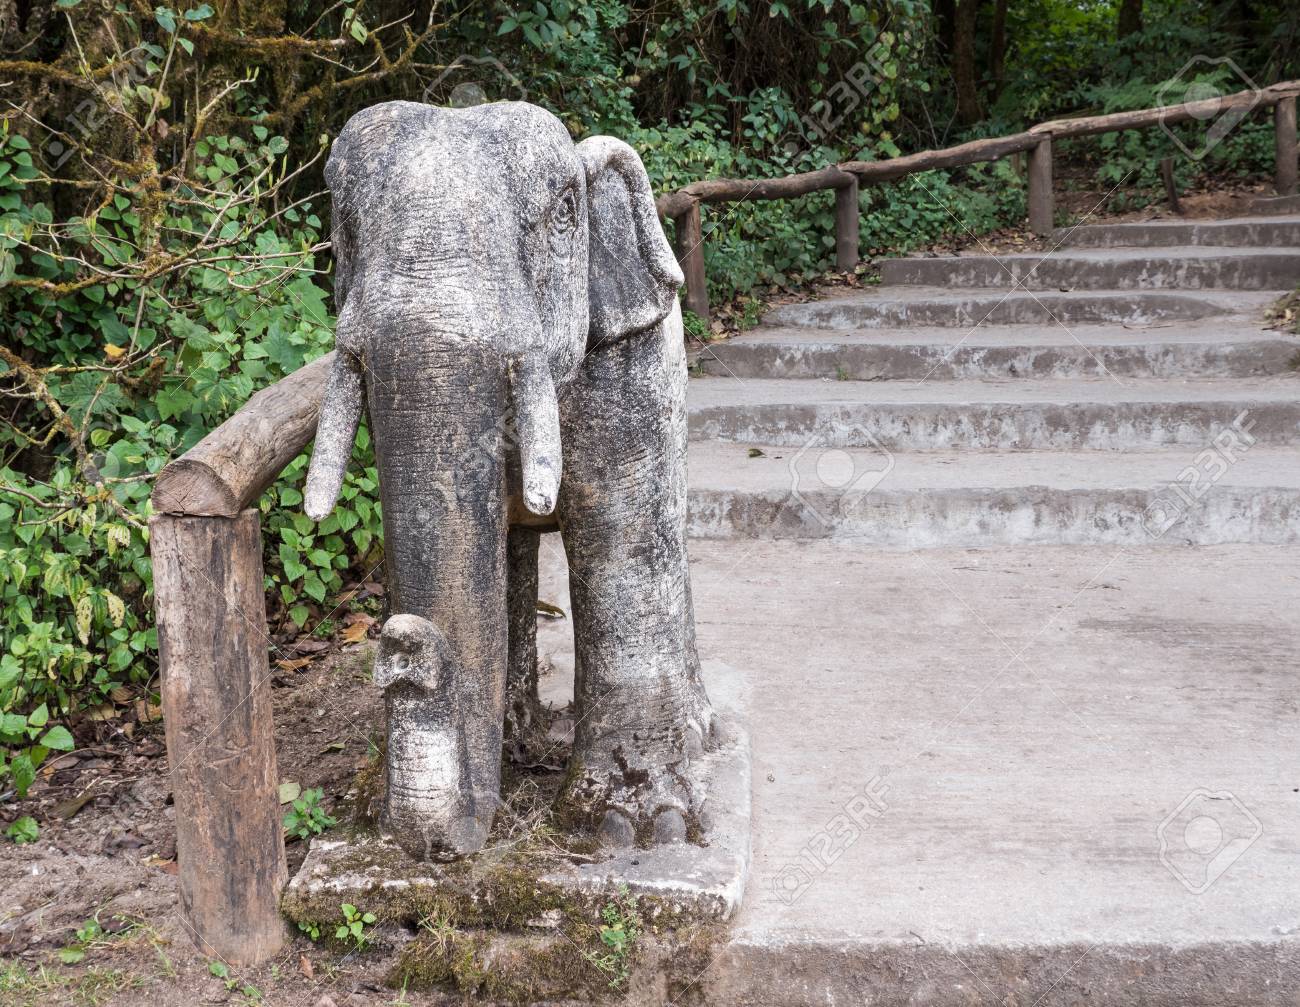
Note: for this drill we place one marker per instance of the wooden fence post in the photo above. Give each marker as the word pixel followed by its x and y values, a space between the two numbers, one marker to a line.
pixel 1285 145
pixel 1040 187
pixel 846 226
pixel 216 697
pixel 689 242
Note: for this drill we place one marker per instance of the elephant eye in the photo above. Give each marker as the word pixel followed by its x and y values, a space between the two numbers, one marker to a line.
pixel 564 217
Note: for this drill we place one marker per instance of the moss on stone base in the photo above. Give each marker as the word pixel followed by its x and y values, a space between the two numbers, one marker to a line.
pixel 514 968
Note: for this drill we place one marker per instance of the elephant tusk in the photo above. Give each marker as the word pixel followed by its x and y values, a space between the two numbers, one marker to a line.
pixel 340 413
pixel 537 428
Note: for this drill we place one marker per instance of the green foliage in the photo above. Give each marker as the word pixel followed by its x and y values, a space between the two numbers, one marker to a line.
pixel 29 739
pixel 24 830
pixel 619 930
pixel 250 993
pixel 1131 160
pixel 353 929
pixel 306 816
pixel 88 934
pixel 137 325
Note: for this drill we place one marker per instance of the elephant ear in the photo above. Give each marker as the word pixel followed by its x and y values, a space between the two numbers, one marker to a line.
pixel 634 276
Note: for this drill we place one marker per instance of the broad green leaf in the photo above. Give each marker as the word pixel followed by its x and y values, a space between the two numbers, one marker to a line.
pixel 58 738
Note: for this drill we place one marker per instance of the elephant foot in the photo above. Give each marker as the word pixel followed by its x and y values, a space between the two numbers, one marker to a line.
pixel 636 800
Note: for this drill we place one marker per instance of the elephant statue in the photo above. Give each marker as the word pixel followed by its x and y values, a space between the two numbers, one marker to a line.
pixel 508 319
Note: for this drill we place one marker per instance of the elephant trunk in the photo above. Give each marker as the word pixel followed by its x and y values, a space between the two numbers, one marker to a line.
pixel 440 448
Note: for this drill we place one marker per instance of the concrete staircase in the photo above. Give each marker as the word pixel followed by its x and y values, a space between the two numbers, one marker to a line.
pixel 1015 742
pixel 1066 397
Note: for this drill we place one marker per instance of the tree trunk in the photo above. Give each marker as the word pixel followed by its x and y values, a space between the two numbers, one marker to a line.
pixel 963 62
pixel 943 15
pixel 998 49
pixel 1130 17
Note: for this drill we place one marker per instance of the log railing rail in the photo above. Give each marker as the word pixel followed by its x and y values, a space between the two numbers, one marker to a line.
pixel 205 543
pixel 846 178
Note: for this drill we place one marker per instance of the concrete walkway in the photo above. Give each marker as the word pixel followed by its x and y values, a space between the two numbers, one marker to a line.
pixel 1060 767
pixel 1036 775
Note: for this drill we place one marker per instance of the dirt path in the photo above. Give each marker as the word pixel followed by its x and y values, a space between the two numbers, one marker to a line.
pixel 113 861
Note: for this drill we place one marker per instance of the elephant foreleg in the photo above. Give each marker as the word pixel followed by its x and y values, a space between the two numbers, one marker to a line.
pixel 641 711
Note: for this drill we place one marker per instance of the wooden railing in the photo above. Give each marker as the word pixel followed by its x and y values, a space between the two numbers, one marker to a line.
pixel 207 550
pixel 847 178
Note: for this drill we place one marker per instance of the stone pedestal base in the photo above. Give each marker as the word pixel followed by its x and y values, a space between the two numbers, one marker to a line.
pixel 538 918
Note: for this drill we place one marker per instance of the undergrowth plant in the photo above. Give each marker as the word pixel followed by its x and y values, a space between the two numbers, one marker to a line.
pixel 133 325
pixel 618 931
pixel 306 816
pixel 353 928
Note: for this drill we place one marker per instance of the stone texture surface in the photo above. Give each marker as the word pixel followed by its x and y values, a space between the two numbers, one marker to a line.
pixel 1035 715
pixel 993 415
pixel 977 499
pixel 1080 755
pixel 890 307
pixel 702 881
pixel 1219 347
pixel 1111 269
pixel 1258 231
pixel 508 321
pixel 1270 205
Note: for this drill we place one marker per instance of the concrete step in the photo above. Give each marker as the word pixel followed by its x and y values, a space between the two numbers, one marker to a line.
pixel 1047 775
pixel 1272 205
pixel 1214 347
pixel 1111 269
pixel 898 306
pixel 1259 232
pixel 1240 493
pixel 1062 415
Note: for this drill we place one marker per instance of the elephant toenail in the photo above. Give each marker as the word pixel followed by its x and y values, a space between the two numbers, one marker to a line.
pixel 615 830
pixel 670 827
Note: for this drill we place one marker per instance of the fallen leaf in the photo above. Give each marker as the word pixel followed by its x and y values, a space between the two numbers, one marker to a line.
pixel 333 746
pixel 295 664
pixel 113 352
pixel 66 809
pixel 374 587
pixel 545 608
pixel 355 633
pixel 121 694
pixel 756 453
pixel 290 791
pixel 307 646
pixel 304 966
pixel 103 712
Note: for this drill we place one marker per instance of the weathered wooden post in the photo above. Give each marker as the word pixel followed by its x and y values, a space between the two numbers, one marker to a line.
pixel 846 226
pixel 216 698
pixel 688 243
pixel 206 546
pixel 1171 187
pixel 1040 187
pixel 1284 137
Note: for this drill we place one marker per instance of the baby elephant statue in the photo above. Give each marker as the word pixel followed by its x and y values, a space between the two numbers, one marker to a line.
pixel 508 321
